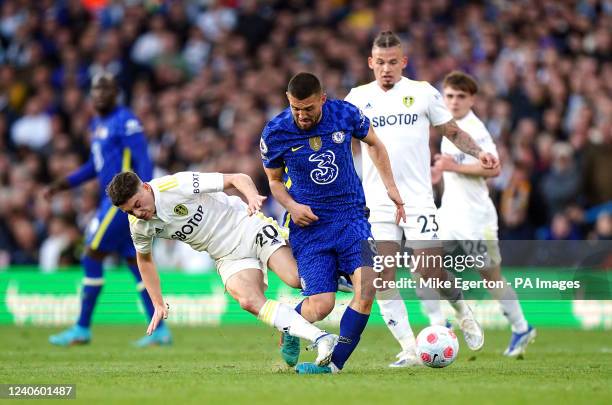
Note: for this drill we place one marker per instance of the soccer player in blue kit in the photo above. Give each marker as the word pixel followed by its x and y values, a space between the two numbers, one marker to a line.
pixel 118 144
pixel 310 144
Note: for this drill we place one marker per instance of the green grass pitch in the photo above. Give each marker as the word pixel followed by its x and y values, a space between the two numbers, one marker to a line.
pixel 240 364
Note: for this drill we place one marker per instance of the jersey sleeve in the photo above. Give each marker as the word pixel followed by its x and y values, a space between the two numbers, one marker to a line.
pixel 360 123
pixel 271 153
pixel 84 173
pixel 142 236
pixel 437 112
pixel 136 154
pixel 194 183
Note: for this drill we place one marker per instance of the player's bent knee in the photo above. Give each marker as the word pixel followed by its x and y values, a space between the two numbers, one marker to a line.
pixel 250 304
pixel 293 281
pixel 320 313
pixel 321 306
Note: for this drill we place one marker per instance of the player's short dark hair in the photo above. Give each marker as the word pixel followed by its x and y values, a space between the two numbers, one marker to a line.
pixel 461 81
pixel 123 187
pixel 104 76
pixel 304 85
pixel 387 39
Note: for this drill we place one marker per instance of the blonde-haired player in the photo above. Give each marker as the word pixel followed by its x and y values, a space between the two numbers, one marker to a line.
pixel 402 111
pixel 467 213
pixel 191 207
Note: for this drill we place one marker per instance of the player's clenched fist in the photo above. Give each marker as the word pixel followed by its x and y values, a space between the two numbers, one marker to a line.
pixel 302 215
pixel 488 160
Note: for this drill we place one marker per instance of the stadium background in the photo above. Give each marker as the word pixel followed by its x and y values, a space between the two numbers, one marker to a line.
pixel 204 76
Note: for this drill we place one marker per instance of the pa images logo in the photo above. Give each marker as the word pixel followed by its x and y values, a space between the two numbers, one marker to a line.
pixel 181 210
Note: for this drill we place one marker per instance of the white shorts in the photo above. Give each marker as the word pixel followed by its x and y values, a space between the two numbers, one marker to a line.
pixel 477 234
pixel 260 237
pixel 422 225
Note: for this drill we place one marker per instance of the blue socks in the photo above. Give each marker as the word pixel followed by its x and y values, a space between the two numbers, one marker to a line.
pixel 92 285
pixel 352 325
pixel 298 308
pixel 144 295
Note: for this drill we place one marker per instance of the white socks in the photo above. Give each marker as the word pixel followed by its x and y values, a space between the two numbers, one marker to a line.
pixel 286 319
pixel 394 312
pixel 511 307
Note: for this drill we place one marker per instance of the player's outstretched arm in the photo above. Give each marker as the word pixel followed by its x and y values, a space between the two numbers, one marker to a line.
pixel 446 163
pixel 380 158
pixel 301 214
pixel 243 183
pixel 86 172
pixel 150 278
pixel 465 143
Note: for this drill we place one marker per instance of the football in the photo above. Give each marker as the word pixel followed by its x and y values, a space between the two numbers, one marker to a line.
pixel 437 346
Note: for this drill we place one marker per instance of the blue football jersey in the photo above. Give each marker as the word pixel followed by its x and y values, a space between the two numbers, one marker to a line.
pixel 118 144
pixel 319 162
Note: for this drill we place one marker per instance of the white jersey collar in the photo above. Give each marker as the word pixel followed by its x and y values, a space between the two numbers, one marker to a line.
pixel 159 213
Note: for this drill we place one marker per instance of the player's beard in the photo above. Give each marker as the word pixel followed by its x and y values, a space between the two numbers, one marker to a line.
pixel 387 83
pixel 312 122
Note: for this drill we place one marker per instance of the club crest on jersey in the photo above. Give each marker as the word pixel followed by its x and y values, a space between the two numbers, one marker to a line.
pixel 408 101
pixel 181 210
pixel 101 132
pixel 338 137
pixel 315 143
pixel 263 148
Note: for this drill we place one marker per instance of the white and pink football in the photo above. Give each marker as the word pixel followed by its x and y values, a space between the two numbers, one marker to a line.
pixel 437 346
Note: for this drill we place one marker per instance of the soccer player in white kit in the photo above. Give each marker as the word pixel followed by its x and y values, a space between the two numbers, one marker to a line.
pixel 401 111
pixel 467 213
pixel 191 207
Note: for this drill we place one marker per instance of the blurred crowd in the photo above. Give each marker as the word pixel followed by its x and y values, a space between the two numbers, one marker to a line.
pixel 205 75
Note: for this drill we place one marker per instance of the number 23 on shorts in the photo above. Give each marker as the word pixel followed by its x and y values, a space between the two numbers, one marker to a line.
pixel 428 223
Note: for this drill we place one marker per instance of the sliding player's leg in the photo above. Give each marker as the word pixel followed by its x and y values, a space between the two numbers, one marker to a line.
pixel 247 287
pixel 283 264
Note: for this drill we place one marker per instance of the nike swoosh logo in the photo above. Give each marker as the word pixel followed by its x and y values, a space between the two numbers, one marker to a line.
pixel 296 149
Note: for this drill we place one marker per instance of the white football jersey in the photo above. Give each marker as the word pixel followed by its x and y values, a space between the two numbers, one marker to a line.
pixel 191 207
pixel 401 118
pixel 464 193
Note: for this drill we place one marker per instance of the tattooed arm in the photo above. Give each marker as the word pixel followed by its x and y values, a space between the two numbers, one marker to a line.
pixel 465 143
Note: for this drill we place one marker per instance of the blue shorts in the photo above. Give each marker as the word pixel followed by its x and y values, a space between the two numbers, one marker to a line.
pixel 109 231
pixel 322 251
